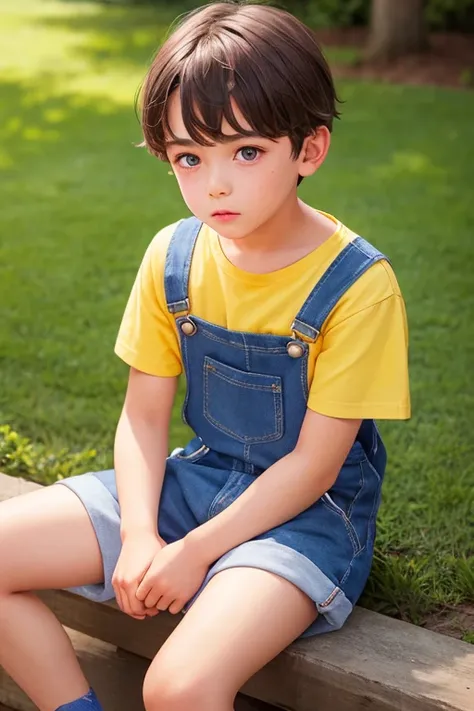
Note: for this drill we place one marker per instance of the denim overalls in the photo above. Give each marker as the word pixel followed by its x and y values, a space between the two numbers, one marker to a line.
pixel 245 401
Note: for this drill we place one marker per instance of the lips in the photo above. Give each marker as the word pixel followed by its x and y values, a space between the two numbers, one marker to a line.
pixel 224 212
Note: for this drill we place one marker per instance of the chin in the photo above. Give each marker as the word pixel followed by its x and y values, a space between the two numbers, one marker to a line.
pixel 232 234
pixel 229 230
pixel 235 231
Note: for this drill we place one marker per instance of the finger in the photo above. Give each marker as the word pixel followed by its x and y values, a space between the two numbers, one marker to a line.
pixel 176 606
pixel 143 589
pixel 163 603
pixel 124 602
pixel 152 598
pixel 118 596
pixel 137 608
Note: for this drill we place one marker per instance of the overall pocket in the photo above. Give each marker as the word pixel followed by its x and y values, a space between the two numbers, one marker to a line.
pixel 246 406
pixel 331 505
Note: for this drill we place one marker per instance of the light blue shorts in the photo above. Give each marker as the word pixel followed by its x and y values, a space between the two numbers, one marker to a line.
pixel 323 551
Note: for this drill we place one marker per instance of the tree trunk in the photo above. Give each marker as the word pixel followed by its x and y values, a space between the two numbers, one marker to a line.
pixel 397 27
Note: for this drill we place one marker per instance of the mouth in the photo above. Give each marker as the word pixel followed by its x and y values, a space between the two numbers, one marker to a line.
pixel 222 213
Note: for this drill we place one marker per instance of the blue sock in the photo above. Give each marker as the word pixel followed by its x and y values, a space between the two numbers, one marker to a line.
pixel 89 702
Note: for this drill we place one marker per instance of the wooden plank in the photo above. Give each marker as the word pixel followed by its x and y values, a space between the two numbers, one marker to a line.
pixel 117 681
pixel 14 486
pixel 374 661
pixel 116 677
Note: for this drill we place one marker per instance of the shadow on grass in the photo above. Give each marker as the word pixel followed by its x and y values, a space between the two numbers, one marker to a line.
pixel 79 206
pixel 110 34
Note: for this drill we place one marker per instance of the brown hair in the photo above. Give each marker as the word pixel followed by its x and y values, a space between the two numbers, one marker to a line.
pixel 261 56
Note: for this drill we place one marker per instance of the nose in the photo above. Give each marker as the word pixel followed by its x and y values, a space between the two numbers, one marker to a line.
pixel 219 184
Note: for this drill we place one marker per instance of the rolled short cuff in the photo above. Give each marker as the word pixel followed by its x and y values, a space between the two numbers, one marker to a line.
pixel 104 512
pixel 331 602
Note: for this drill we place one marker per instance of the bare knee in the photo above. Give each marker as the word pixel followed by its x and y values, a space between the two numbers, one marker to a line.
pixel 178 691
pixel 5 558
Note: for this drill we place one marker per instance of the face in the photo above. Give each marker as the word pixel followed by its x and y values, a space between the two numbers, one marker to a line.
pixel 252 178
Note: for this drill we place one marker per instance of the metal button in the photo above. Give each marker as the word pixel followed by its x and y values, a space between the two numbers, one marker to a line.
pixel 188 328
pixel 295 350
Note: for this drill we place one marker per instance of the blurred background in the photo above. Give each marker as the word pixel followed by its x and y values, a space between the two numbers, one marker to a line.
pixel 79 203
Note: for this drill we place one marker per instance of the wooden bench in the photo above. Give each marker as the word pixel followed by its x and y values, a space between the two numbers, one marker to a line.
pixel 374 662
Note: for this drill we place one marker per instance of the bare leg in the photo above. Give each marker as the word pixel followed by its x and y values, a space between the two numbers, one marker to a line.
pixel 46 541
pixel 242 620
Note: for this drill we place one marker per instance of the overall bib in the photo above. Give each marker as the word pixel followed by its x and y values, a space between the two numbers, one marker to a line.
pixel 245 401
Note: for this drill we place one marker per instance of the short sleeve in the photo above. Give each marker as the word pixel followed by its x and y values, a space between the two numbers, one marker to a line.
pixel 147 338
pixel 362 369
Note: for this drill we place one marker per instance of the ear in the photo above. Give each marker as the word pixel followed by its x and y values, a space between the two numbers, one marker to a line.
pixel 314 151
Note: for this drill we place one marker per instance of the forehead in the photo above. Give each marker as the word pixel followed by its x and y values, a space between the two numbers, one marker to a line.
pixel 175 117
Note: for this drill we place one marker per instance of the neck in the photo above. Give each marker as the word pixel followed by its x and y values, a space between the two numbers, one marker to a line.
pixel 273 234
pixel 288 236
pixel 295 227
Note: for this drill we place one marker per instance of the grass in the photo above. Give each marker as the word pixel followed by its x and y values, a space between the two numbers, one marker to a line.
pixel 79 204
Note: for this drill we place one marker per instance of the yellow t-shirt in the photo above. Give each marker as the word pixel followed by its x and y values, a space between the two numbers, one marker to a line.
pixel 357 367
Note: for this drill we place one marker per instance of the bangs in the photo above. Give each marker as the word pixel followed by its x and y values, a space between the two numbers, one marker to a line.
pixel 208 87
pixel 258 58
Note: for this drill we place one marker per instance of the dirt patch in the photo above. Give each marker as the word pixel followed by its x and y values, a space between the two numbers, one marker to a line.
pixel 449 61
pixel 453 621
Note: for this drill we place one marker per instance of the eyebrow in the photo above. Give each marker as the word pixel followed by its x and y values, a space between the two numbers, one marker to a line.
pixel 225 139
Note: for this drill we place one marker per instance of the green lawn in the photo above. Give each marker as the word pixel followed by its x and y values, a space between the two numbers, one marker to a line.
pixel 79 203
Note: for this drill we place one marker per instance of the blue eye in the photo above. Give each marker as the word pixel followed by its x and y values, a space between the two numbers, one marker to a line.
pixel 191 156
pixel 249 153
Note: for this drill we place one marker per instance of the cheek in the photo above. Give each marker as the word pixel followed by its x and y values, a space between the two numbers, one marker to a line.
pixel 269 184
pixel 188 186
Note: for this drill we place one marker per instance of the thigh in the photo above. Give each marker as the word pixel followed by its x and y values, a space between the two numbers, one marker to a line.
pixel 243 618
pixel 47 541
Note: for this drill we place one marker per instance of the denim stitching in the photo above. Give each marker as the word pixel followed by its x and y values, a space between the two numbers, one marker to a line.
pixel 379 485
pixel 218 497
pixel 349 567
pixel 372 252
pixel 361 486
pixel 187 266
pixel 226 495
pixel 184 348
pixel 335 299
pixel 247 354
pixel 304 376
pixel 339 259
pixel 278 403
pixel 331 597
pixel 240 438
pixel 349 527
pixel 247 453
pixel 234 381
pixel 238 384
pixel 375 434
pixel 323 314
pixel 176 273
pixel 278 350
pixel 373 513
pixel 255 440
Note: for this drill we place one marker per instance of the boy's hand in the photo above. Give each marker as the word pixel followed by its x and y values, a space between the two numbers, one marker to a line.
pixel 138 552
pixel 176 573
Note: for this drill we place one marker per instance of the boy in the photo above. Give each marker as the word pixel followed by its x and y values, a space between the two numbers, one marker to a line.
pixel 292 333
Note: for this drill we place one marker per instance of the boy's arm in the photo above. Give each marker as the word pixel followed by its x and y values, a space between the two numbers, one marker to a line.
pixel 285 489
pixel 141 448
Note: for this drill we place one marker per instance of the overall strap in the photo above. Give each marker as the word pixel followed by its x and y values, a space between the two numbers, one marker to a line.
pixel 348 266
pixel 178 264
